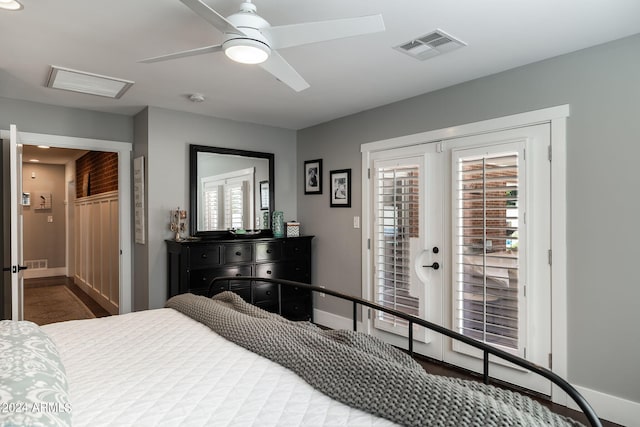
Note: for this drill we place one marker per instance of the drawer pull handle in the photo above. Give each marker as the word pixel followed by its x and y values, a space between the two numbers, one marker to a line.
pixel 269 272
pixel 204 279
pixel 238 274
pixel 238 253
pixel 269 251
pixel 268 292
pixel 203 256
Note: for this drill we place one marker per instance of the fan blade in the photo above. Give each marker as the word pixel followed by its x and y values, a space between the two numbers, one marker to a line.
pixel 311 32
pixel 284 72
pixel 211 16
pixel 184 54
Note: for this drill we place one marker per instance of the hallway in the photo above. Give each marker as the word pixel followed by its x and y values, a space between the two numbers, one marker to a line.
pixel 57 299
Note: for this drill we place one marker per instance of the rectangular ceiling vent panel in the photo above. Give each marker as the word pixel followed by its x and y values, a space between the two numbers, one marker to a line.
pixel 430 45
pixel 88 83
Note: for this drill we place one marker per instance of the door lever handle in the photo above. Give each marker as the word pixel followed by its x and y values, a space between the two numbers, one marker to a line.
pixel 435 266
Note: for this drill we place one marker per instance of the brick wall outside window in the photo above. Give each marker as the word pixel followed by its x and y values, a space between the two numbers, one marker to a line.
pixel 102 170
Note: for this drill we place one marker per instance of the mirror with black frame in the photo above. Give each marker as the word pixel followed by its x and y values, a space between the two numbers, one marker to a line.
pixel 231 192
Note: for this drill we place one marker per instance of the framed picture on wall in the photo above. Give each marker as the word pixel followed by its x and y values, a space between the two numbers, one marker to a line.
pixel 340 188
pixel 264 195
pixel 313 176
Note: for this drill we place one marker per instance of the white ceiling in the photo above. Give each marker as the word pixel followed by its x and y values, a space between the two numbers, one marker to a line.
pixel 346 76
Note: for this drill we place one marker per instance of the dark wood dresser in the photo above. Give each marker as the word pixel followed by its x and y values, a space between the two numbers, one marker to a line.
pixel 194 263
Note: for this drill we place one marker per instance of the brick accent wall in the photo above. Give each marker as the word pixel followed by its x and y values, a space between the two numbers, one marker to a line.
pixel 101 168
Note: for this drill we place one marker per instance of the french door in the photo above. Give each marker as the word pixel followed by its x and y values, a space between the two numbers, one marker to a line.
pixel 407 242
pixel 478 207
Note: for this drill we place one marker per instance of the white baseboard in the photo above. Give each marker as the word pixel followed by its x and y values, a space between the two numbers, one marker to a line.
pixel 611 408
pixel 333 321
pixel 607 407
pixel 44 272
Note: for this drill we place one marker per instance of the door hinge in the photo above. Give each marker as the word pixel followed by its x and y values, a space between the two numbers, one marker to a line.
pixel 550 361
pixel 549 151
pixel 525 353
pixel 549 254
pixel 369 244
pixel 368 173
pixel 368 313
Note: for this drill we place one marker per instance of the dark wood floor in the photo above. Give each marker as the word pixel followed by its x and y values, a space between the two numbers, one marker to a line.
pixel 440 368
pixel 93 306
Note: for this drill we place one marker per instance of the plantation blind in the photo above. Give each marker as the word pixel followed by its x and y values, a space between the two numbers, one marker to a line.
pixel 487 267
pixel 235 203
pixel 396 208
pixel 211 206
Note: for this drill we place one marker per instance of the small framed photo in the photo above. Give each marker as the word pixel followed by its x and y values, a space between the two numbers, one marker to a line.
pixel 264 195
pixel 313 176
pixel 340 188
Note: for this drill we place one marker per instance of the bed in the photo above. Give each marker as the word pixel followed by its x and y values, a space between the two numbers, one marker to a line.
pixel 196 363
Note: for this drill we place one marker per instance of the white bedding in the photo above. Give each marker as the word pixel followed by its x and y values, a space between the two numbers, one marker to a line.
pixel 159 367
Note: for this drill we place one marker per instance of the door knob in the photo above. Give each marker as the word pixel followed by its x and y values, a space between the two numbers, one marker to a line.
pixel 435 266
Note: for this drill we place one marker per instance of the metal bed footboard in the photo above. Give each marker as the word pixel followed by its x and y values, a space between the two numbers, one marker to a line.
pixel 485 348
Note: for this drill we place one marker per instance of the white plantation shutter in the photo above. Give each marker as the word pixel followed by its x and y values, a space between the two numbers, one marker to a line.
pixel 488 295
pixel 235 206
pixel 397 212
pixel 211 196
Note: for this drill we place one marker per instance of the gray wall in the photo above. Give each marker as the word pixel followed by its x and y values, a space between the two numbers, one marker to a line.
pixel 168 137
pixel 141 251
pixel 55 120
pixel 602 86
pixel 43 239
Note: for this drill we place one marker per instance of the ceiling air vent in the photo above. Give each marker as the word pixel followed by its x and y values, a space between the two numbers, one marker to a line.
pixel 430 45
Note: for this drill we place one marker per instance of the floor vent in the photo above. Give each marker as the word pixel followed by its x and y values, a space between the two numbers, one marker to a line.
pixel 36 264
pixel 430 45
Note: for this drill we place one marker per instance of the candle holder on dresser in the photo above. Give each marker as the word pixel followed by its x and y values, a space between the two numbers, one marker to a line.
pixel 178 221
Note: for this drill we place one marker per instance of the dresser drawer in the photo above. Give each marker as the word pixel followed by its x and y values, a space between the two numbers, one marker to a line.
pixel 265 292
pixel 204 256
pixel 201 279
pixel 297 248
pixel 238 253
pixel 269 251
pixel 273 270
pixel 299 309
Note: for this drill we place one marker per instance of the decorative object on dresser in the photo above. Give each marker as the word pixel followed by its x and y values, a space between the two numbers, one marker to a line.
pixel 193 264
pixel 277 224
pixel 293 229
pixel 177 221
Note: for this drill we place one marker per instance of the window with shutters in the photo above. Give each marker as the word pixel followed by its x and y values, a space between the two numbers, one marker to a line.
pixel 397 212
pixel 488 262
pixel 227 200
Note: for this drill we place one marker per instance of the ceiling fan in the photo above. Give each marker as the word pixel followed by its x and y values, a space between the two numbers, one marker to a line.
pixel 249 39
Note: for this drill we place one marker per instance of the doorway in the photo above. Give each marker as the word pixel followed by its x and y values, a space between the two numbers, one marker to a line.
pixel 121 211
pixel 50 231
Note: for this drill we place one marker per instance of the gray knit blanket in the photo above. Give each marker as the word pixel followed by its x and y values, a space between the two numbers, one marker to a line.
pixel 362 371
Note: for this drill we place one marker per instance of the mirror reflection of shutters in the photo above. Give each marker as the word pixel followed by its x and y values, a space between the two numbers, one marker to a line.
pixel 397 210
pixel 235 194
pixel 211 196
pixel 487 268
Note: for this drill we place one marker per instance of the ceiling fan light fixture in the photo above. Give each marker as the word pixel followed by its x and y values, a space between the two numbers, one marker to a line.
pixel 10 5
pixel 246 51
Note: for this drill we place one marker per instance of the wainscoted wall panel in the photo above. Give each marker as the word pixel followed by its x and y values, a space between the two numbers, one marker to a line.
pixel 97 249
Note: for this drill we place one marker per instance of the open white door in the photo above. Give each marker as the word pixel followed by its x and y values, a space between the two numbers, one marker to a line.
pixel 17 280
